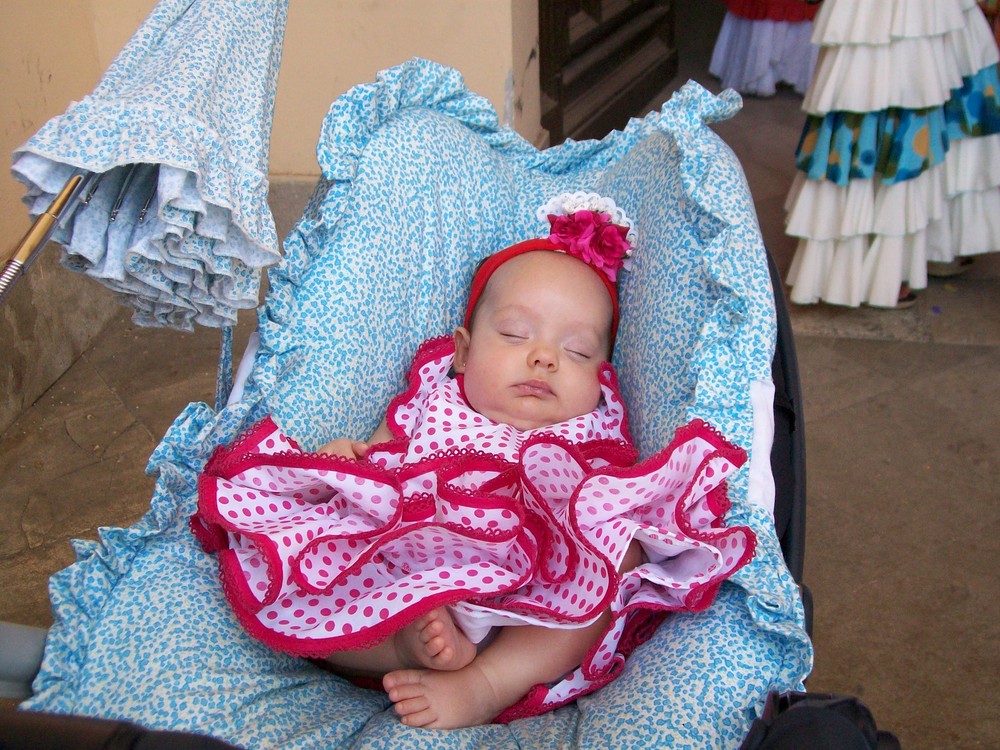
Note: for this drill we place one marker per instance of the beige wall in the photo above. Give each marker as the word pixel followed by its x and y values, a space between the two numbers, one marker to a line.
pixel 527 89
pixel 48 56
pixel 330 45
pixel 54 51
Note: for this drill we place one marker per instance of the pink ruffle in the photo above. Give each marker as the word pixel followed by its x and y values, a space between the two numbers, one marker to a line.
pixel 320 553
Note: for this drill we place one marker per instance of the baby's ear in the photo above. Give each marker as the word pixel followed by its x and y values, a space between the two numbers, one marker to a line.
pixel 462 338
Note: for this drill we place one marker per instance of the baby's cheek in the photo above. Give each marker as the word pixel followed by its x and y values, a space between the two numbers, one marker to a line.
pixel 597 398
pixel 594 391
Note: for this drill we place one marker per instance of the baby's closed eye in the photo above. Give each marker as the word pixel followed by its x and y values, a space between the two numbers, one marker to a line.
pixel 513 329
pixel 513 337
pixel 580 351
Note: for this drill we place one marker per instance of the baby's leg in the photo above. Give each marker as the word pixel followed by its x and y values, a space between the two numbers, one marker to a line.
pixel 519 659
pixel 433 641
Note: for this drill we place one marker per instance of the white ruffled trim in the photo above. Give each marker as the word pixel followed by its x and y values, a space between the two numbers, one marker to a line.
pixel 754 56
pixel 860 265
pixel 860 242
pixel 827 271
pixel 969 226
pixel 889 262
pixel 857 270
pixel 912 73
pixel 973 45
pixel 972 164
pixel 882 21
pixel 822 210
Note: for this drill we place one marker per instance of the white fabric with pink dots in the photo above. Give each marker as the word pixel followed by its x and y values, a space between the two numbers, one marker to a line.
pixel 321 553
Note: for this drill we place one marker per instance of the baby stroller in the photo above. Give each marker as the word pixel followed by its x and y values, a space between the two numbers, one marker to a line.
pixel 419 181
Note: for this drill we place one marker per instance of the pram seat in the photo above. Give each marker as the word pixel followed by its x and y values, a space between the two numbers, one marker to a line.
pixel 419 182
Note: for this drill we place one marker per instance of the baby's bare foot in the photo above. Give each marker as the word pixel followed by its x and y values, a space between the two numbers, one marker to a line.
pixel 434 641
pixel 443 700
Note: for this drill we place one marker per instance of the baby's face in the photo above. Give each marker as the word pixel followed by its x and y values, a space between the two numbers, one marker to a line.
pixel 539 337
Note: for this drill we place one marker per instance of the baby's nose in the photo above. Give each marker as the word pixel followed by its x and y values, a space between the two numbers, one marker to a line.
pixel 543 356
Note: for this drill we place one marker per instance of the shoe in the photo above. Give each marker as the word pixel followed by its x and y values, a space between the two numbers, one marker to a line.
pixel 956 267
pixel 906 301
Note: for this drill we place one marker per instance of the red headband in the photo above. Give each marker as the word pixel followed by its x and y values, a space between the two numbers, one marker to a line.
pixel 493 262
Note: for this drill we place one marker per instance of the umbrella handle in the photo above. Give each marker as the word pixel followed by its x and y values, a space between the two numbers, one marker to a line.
pixel 36 236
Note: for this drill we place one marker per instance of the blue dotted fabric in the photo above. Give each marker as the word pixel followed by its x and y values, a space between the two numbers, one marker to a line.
pixel 419 182
pixel 178 131
pixel 898 144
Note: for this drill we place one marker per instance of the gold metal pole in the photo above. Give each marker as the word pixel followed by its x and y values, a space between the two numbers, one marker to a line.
pixel 36 236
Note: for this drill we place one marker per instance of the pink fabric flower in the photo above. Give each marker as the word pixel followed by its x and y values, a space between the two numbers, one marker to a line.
pixel 593 238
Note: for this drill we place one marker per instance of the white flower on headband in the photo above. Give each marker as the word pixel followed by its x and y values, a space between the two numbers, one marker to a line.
pixel 591 228
pixel 568 203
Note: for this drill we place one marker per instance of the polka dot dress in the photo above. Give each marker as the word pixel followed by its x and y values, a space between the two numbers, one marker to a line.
pixel 321 554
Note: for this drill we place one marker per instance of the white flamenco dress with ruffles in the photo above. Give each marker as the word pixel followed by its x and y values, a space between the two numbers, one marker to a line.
pixel 899 162
pixel 763 43
pixel 320 553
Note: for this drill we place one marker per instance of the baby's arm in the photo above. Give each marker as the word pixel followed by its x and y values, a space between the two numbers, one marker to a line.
pixel 356 448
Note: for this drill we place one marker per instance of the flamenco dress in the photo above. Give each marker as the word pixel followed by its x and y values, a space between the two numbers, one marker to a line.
pixel 762 43
pixel 319 553
pixel 899 160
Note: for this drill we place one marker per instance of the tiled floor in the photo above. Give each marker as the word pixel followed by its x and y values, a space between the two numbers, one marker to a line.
pixel 902 420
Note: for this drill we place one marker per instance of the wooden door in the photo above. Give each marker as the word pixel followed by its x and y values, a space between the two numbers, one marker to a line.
pixel 600 61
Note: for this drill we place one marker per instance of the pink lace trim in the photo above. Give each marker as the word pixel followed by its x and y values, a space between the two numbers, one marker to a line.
pixel 428 351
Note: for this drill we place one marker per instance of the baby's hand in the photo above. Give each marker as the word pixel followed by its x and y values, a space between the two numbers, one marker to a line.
pixel 345 447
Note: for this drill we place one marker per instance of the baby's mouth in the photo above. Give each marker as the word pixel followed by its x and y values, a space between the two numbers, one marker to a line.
pixel 537 388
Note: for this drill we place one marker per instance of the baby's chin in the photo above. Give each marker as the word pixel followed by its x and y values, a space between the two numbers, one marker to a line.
pixel 526 423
